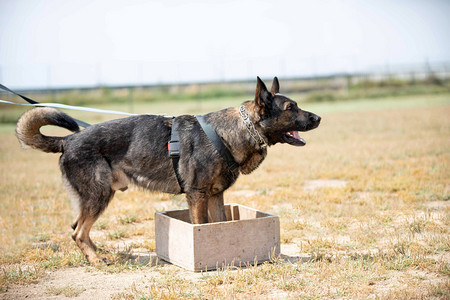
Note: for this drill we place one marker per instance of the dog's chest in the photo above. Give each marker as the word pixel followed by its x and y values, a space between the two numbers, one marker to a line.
pixel 252 162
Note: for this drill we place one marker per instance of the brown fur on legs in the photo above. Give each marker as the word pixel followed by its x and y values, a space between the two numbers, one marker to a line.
pixel 74 227
pixel 198 207
pixel 216 208
pixel 82 239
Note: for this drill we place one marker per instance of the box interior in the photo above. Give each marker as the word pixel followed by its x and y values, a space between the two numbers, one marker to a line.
pixel 233 212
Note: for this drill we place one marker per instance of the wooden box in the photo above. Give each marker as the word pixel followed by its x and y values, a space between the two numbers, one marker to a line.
pixel 247 237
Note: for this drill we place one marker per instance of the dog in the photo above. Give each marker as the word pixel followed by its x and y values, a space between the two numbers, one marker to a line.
pixel 108 157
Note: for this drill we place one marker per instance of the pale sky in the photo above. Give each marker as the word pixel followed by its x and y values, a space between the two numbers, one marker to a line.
pixel 46 43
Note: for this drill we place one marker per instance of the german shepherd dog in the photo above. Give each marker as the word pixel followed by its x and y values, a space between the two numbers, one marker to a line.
pixel 107 157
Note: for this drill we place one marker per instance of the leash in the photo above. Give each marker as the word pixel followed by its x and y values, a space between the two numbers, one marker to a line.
pixel 37 104
pixel 62 106
pixel 17 94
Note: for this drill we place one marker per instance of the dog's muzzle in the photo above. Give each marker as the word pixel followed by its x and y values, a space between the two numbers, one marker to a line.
pixel 294 139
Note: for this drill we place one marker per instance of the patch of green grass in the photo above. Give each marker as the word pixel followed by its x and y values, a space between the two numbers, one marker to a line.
pixel 19 275
pixel 441 290
pixel 101 225
pixel 41 237
pixel 417 226
pixel 117 235
pixel 444 268
pixel 127 219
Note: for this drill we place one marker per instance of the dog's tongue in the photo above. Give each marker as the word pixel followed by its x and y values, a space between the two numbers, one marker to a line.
pixel 297 137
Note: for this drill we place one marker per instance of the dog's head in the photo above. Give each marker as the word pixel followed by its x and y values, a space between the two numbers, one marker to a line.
pixel 279 117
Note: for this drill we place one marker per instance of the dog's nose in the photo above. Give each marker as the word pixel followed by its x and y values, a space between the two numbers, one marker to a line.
pixel 315 118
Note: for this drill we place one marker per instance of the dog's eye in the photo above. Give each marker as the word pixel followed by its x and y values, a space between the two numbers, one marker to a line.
pixel 290 106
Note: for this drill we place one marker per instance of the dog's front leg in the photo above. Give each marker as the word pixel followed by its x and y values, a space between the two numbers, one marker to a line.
pixel 198 207
pixel 216 208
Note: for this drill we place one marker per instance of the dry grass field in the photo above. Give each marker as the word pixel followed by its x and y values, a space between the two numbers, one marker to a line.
pixel 364 212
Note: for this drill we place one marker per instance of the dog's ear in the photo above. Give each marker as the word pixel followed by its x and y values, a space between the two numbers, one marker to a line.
pixel 275 86
pixel 263 99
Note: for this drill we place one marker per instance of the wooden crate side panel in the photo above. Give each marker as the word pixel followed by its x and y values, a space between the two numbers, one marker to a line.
pixel 238 242
pixel 174 241
pixel 246 213
pixel 182 214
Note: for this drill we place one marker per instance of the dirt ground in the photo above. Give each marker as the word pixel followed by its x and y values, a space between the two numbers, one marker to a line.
pixel 90 283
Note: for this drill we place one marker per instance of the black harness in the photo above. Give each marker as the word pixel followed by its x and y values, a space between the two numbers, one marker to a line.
pixel 174 151
pixel 214 138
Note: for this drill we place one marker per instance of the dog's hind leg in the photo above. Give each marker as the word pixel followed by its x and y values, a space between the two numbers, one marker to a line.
pixel 75 223
pixel 81 237
pixel 89 213
pixel 89 186
pixel 216 208
pixel 74 227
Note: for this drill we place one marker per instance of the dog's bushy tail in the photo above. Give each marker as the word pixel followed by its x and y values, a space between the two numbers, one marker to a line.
pixel 30 122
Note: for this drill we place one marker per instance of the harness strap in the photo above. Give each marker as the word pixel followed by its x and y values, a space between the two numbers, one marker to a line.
pixel 218 143
pixel 174 151
pixel 174 147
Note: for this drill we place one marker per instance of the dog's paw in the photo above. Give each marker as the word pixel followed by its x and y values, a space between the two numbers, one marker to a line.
pixel 95 261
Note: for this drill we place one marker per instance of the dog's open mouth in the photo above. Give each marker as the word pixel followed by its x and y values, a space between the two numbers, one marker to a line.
pixel 292 138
